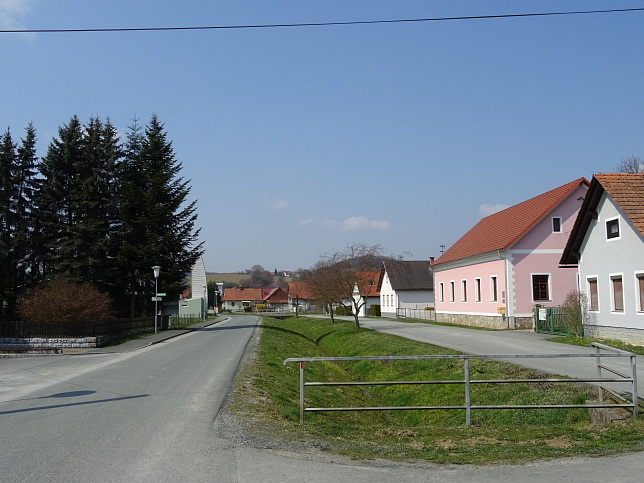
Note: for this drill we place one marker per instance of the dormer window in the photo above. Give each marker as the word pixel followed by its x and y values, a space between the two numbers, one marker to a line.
pixel 612 228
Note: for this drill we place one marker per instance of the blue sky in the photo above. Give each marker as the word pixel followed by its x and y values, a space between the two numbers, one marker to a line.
pixel 301 141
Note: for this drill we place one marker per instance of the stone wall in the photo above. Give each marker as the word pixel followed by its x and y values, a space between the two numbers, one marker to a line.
pixel 630 336
pixel 53 343
pixel 488 321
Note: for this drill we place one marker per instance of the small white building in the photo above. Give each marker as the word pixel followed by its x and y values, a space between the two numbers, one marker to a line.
pixel 405 286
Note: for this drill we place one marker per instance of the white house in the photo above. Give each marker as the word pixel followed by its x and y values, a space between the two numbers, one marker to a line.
pixel 607 245
pixel 405 285
pixel 197 304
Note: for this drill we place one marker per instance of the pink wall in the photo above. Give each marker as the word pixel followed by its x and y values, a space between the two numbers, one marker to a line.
pixel 484 271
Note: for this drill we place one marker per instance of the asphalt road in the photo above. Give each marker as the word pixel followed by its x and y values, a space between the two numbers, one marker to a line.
pixel 150 415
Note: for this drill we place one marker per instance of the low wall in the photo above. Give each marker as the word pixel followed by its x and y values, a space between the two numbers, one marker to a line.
pixel 487 321
pixel 49 343
pixel 630 336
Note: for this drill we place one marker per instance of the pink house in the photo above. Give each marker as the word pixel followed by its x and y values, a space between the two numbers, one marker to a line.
pixel 509 261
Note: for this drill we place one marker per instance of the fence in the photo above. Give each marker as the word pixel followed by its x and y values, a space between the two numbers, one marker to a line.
pixel 552 320
pixel 69 328
pixel 467 382
pixel 422 314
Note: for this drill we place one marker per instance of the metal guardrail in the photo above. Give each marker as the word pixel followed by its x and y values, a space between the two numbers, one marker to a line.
pixel 467 382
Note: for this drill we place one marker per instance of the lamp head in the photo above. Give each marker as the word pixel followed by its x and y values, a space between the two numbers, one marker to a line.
pixel 156 270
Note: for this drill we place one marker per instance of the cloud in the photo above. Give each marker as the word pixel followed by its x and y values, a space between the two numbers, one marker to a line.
pixel 280 204
pixel 360 223
pixel 12 13
pixel 487 210
pixel 307 221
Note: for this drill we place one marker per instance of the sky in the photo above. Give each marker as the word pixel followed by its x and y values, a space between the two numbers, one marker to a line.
pixel 301 141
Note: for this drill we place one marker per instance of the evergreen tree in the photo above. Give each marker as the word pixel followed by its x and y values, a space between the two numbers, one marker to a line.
pixel 159 219
pixel 57 202
pixel 8 157
pixel 17 173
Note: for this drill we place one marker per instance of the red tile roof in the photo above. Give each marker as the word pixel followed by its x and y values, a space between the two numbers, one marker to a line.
pixel 627 190
pixel 300 290
pixel 368 283
pixel 501 230
pixel 252 294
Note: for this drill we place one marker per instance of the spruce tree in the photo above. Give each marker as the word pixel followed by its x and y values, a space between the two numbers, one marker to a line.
pixel 8 157
pixel 159 219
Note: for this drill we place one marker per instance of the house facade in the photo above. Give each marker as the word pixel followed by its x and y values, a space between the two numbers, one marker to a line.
pixel 240 299
pixel 365 291
pixel 300 296
pixel 405 285
pixel 507 263
pixel 196 302
pixel 607 246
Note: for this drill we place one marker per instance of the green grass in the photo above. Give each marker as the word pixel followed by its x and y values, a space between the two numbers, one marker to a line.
pixel 267 393
pixel 585 342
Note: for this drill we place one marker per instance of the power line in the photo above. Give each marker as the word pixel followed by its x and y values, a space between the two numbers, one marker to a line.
pixel 323 24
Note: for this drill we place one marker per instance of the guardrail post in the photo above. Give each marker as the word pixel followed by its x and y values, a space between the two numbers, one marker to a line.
pixel 600 389
pixel 301 392
pixel 468 409
pixel 636 402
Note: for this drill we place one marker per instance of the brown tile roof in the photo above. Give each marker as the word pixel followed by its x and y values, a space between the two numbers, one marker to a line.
pixel 626 190
pixel 501 230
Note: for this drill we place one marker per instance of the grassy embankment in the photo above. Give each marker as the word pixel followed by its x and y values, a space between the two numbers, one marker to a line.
pixel 267 396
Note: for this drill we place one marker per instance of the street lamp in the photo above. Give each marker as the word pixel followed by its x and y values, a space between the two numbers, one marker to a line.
pixel 156 269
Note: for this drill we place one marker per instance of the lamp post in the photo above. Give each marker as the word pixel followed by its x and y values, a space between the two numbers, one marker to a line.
pixel 156 269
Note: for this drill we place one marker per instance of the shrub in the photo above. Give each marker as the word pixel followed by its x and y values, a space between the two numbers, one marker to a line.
pixel 340 310
pixel 260 307
pixel 572 313
pixel 65 300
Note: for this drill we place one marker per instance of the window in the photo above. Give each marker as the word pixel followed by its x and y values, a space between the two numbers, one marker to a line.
pixel 556 224
pixel 593 295
pixel 441 294
pixel 618 293
pixel 540 287
pixel 640 291
pixel 464 290
pixel 612 228
pixel 494 290
pixel 477 289
pixel 451 291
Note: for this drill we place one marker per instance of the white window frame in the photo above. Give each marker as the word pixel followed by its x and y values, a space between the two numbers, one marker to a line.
pixel 560 224
pixel 464 290
pixel 549 275
pixel 592 278
pixel 639 274
pixel 619 230
pixel 452 291
pixel 441 292
pixel 477 290
pixel 494 287
pixel 612 277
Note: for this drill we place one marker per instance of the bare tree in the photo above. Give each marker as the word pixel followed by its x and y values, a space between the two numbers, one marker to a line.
pixel 345 275
pixel 631 164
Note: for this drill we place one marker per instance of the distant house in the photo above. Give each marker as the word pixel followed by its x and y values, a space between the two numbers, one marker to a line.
pixel 365 291
pixel 236 299
pixel 405 284
pixel 607 245
pixel 509 261
pixel 300 295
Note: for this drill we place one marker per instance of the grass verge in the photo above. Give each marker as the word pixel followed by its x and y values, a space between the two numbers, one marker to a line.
pixel 267 397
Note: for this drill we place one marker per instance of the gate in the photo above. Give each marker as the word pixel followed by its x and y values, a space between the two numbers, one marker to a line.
pixel 551 320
